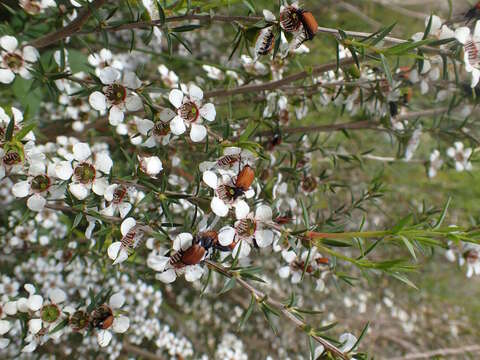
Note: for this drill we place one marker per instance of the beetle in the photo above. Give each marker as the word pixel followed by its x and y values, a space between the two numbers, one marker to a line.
pixel 241 184
pixel 201 245
pixel 102 317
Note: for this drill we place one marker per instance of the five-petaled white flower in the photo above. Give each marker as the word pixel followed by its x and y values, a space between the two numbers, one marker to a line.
pixel 15 60
pixel 38 184
pixel 227 195
pixel 167 269
pixel 86 171
pixel 249 231
pixel 471 48
pixel 119 251
pixel 120 323
pixel 190 112
pixel 115 195
pixel 461 156
pixel 116 96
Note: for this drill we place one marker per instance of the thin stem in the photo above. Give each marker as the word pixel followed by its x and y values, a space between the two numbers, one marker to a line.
pixel 261 296
pixel 70 29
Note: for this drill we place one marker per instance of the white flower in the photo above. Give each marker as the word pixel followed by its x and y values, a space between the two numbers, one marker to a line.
pixel 251 230
pixel 213 72
pixel 471 257
pixel 103 59
pixel 227 195
pixel 436 163
pixel 167 271
pixel 158 133
pixel 38 184
pixel 168 76
pixel 86 172
pixel 119 250
pixel 120 323
pixel 15 60
pixel 115 195
pixel 116 96
pixel 413 143
pixel 348 342
pixel 471 49
pixel 190 112
pixel 308 263
pixel 34 7
pixel 150 165
pixel 233 158
pixel 461 156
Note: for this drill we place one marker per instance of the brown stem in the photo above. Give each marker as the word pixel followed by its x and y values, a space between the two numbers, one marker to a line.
pixel 355 125
pixel 261 296
pixel 147 24
pixel 254 88
pixel 133 349
pixel 59 207
pixel 70 29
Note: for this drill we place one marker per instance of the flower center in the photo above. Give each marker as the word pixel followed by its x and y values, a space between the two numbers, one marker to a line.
pixel 119 194
pixel 102 317
pixel 290 19
pixel 85 173
pixel 189 111
pixel 471 256
pixel 13 61
pixel 116 94
pixel 246 227
pixel 161 129
pixel 79 320
pixel 40 183
pixel 50 313
pixel 12 158
pixel 309 184
pixel 228 193
pixel 300 265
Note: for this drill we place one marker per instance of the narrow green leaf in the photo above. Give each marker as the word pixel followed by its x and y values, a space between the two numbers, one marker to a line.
pixel 386 68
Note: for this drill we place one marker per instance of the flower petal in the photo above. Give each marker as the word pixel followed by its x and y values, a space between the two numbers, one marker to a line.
pixel 195 92
pixel 63 170
pixel 98 101
pixel 113 250
pixel 109 75
pixel 99 185
pixel 263 213
pixel 115 115
pixel 80 191
pixel 176 97
pixel 36 202
pixel 226 235
pixel 177 125
pixel 193 273
pixel 121 324
pixel 133 102
pixel 167 277
pixel 241 209
pixel 103 162
pixel 8 43
pixel 21 188
pixel 81 151
pixel 116 301
pixel 198 132
pixel 6 76
pixel 219 207
pixel 208 112
pixel 210 178
pixel 104 337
